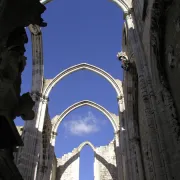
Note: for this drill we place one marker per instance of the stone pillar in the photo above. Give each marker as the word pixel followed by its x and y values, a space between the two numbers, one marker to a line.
pixel 123 139
pixel 155 165
pixel 118 152
pixel 96 170
pixel 28 156
pixel 131 97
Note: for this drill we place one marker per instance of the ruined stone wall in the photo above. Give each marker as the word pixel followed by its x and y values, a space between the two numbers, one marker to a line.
pixel 105 163
pixel 68 166
pixel 156 115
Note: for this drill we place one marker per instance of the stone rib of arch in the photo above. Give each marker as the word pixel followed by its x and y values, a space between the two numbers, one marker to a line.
pixel 124 5
pixel 78 67
pixel 58 119
pixel 121 3
pixel 81 146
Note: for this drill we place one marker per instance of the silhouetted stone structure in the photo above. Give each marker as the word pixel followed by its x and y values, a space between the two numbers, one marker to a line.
pixel 14 16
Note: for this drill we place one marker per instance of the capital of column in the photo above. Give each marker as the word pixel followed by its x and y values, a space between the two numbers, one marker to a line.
pixel 54 134
pixel 120 98
pixel 36 96
pixel 117 132
pixel 128 14
pixel 35 29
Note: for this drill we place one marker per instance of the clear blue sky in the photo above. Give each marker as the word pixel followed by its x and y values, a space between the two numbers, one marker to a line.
pixel 80 31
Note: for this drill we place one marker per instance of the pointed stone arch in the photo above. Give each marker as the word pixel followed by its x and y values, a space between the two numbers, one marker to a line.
pixel 83 66
pixel 125 5
pixel 112 117
pixel 81 146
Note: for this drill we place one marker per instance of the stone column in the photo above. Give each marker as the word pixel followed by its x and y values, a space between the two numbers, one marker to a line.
pixel 123 139
pixel 155 165
pixel 118 152
pixel 96 169
pixel 28 156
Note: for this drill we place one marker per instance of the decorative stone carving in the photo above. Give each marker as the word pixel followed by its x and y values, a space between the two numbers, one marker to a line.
pixel 14 16
pixel 20 13
pixel 35 29
pixel 36 96
pixel 125 61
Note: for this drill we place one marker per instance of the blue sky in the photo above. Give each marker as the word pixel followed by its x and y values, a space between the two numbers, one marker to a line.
pixel 80 31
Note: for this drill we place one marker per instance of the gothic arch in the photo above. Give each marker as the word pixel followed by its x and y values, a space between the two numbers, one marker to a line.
pixel 125 5
pixel 58 119
pixel 81 146
pixel 82 66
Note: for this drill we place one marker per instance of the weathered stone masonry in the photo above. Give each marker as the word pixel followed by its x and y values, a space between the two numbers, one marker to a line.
pixel 104 163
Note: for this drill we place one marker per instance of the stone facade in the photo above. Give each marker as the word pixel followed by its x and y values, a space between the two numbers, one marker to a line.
pixel 147 132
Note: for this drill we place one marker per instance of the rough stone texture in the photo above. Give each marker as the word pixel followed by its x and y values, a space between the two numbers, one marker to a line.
pixel 157 100
pixel 148 143
pixel 105 163
pixel 68 166
pixel 105 167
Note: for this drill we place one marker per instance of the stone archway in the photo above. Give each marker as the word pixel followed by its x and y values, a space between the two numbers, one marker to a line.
pixel 105 165
pixel 81 146
pixel 59 118
pixel 124 4
pixel 83 66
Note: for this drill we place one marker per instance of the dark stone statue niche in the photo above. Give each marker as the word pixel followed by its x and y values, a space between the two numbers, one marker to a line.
pixel 14 16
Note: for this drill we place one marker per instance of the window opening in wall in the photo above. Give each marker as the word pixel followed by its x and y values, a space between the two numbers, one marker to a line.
pixel 86 166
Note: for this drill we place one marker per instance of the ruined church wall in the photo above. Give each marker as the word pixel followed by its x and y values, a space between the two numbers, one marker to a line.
pixel 161 44
pixel 105 163
pixel 68 166
pixel 158 121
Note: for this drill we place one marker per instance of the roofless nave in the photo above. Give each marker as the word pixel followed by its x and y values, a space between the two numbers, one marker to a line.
pixel 148 101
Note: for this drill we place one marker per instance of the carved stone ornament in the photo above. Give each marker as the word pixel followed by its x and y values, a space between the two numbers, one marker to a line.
pixel 35 29
pixel 124 59
pixel 20 13
pixel 14 16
